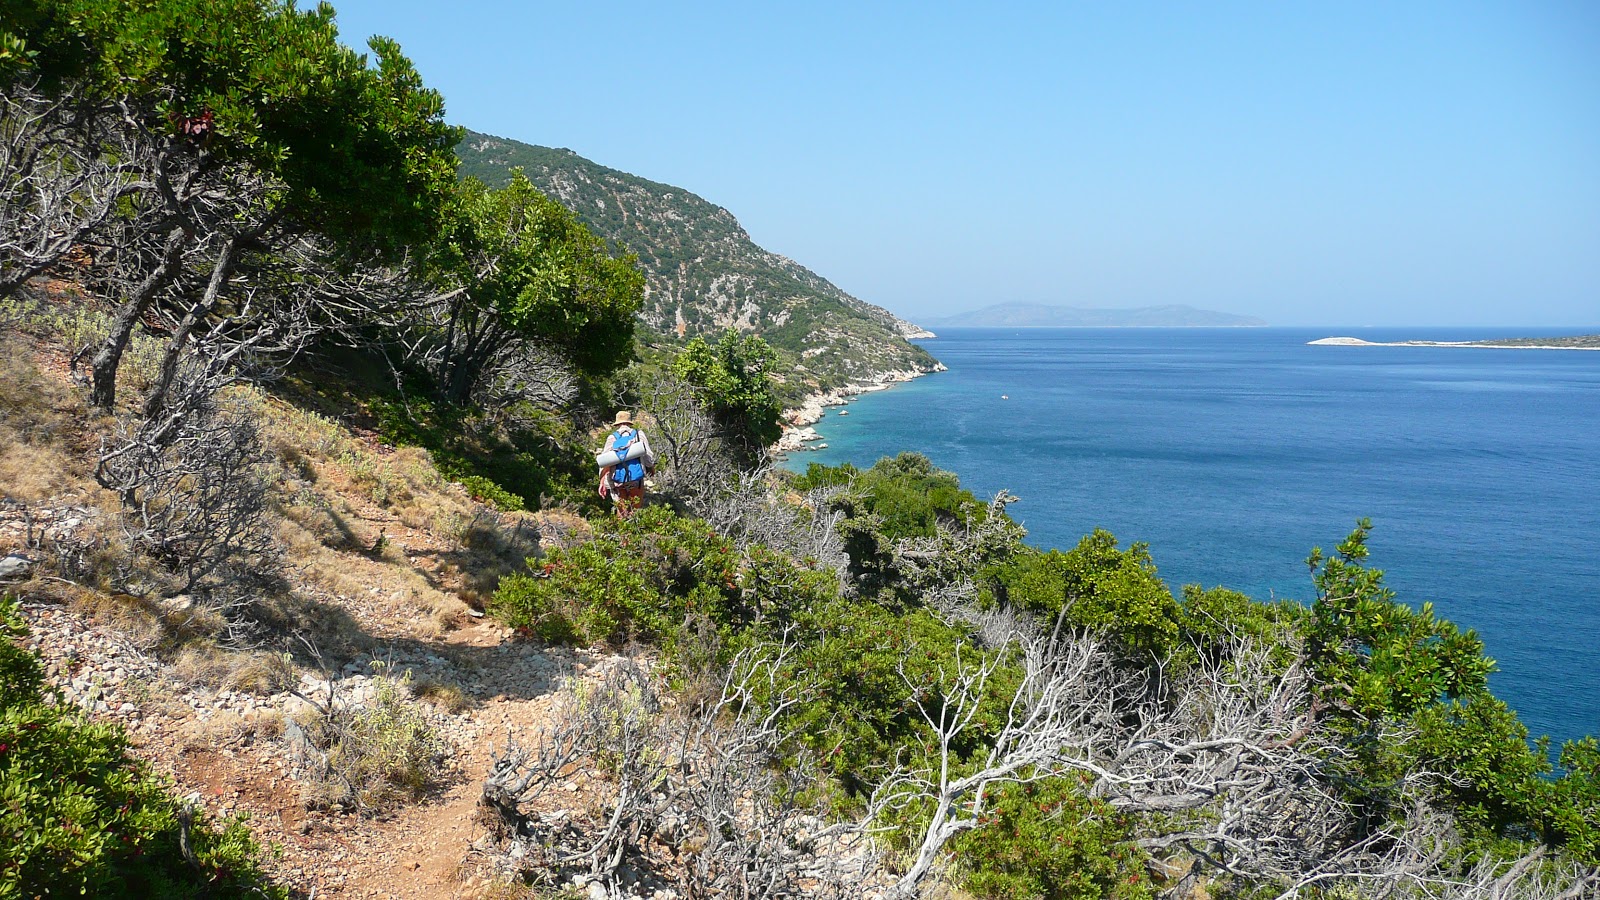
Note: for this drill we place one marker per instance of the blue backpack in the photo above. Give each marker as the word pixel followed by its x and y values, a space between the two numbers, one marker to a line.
pixel 632 470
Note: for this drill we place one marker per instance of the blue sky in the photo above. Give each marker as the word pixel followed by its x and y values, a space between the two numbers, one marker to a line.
pixel 1312 164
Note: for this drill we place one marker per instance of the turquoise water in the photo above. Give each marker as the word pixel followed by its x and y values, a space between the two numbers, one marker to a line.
pixel 1233 452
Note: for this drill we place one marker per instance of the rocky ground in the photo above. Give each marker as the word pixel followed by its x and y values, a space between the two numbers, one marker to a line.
pixel 227 749
pixel 234 751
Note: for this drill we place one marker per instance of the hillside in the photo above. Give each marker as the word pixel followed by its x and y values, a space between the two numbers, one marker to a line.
pixel 1035 315
pixel 704 273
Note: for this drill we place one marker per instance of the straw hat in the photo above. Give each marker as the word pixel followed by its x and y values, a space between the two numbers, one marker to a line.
pixel 623 418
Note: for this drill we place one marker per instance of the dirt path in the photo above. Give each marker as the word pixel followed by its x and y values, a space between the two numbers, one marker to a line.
pixel 227 751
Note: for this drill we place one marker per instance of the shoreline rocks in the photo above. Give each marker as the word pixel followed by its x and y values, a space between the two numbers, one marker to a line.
pixel 1481 345
pixel 797 422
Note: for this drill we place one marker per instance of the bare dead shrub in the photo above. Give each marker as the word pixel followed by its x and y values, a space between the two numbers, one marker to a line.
pixel 694 797
pixel 66 165
pixel 194 492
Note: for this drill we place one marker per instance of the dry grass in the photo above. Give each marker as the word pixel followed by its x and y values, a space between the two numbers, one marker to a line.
pixel 254 671
pixel 380 526
pixel 510 890
pixel 40 421
pixel 447 697
pixel 377 543
pixel 228 727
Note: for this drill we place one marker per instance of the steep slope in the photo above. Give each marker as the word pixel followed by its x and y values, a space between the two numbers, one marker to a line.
pixel 704 273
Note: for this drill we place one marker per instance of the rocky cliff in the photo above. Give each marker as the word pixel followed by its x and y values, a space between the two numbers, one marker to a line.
pixel 704 273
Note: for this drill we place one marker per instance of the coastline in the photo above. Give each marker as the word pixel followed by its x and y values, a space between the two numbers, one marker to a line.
pixel 797 422
pixel 1480 345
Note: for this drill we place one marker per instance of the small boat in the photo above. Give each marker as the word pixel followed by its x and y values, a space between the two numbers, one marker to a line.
pixel 1005 396
pixel 822 446
pixel 844 412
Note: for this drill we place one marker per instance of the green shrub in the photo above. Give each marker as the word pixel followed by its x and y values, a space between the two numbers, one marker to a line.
pixel 643 577
pixel 907 494
pixel 818 475
pixel 1571 814
pixel 1046 839
pixel 1376 656
pixel 637 578
pixel 20 676
pixel 734 379
pixel 489 492
pixel 864 671
pixel 1111 591
pixel 80 816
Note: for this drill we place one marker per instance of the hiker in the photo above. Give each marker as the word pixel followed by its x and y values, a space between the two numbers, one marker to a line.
pixel 624 481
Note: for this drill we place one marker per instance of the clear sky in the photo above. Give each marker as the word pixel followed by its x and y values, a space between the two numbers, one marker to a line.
pixel 1349 163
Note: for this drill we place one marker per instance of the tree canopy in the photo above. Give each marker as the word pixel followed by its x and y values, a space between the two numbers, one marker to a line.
pixel 734 377
pixel 517 268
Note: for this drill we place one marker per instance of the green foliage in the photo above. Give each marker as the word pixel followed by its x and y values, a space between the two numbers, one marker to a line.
pixel 584 595
pixel 865 669
pixel 1379 660
pixel 911 498
pixel 362 150
pixel 818 476
pixel 1209 615
pixel 900 498
pixel 79 815
pixel 528 272
pixel 20 676
pixel 1496 776
pixel 1096 586
pixel 486 490
pixel 734 377
pixel 1375 656
pixel 642 577
pixel 1571 815
pixel 1046 839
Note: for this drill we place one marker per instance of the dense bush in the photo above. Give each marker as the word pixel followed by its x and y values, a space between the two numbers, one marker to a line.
pixel 908 496
pixel 644 576
pixel 1046 839
pixel 1099 586
pixel 865 668
pixel 735 382
pixel 79 815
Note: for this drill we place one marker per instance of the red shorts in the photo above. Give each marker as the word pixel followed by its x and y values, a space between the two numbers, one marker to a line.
pixel 627 497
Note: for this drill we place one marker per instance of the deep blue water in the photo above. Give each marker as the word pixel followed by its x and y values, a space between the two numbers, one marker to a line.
pixel 1232 452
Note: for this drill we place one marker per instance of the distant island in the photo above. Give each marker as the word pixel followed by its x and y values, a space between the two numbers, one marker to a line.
pixel 1578 342
pixel 1036 315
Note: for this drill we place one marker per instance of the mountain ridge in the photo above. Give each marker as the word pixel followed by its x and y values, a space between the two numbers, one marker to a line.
pixel 704 273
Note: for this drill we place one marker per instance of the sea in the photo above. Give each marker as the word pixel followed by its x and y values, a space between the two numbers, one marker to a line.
pixel 1232 452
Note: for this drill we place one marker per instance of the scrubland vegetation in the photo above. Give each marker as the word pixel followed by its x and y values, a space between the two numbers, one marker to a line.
pixel 249 312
